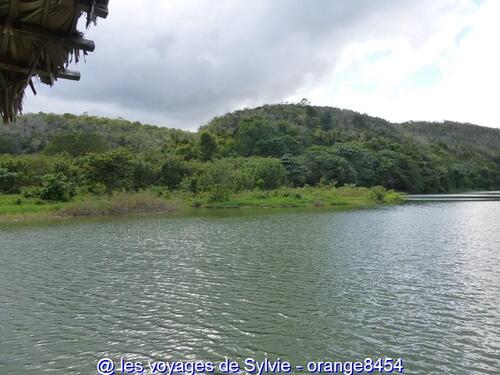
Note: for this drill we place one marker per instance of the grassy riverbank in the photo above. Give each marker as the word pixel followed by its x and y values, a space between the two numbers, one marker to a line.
pixel 18 208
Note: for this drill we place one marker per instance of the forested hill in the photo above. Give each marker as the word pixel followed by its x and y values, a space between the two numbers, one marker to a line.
pixel 311 145
pixel 350 124
pixel 456 133
pixel 32 133
pixel 350 147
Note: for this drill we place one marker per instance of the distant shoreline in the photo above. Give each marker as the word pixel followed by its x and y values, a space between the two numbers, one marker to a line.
pixel 15 208
pixel 456 197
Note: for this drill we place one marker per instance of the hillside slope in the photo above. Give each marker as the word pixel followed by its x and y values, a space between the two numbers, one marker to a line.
pixel 33 132
pixel 350 147
pixel 315 145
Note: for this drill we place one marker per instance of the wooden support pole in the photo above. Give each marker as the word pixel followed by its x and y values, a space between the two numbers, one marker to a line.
pixel 63 74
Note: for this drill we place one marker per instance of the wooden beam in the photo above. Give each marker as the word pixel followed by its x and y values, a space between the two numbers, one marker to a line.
pixel 4 43
pixel 45 12
pixel 39 34
pixel 63 74
pixel 13 8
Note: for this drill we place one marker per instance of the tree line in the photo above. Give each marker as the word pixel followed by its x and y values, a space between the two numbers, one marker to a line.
pixel 55 157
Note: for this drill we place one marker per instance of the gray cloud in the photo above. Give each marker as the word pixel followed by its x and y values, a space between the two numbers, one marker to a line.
pixel 181 62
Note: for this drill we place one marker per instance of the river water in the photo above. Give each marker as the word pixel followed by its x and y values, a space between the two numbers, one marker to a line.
pixel 419 281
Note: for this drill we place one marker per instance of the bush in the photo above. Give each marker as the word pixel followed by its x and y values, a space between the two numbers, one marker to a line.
pixel 8 181
pixel 232 175
pixel 144 174
pixel 29 168
pixel 173 171
pixel 326 166
pixel 224 176
pixel 377 194
pixel 54 187
pixel 113 169
pixel 208 146
pixel 76 144
pixel 268 173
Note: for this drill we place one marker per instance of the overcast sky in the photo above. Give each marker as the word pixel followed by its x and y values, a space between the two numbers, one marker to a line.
pixel 177 63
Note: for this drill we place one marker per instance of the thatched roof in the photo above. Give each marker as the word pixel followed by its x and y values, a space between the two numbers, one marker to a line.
pixel 39 38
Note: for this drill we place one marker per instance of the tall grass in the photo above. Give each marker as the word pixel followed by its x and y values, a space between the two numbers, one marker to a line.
pixel 324 196
pixel 121 204
pixel 17 208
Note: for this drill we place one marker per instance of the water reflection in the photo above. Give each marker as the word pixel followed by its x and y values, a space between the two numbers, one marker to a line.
pixel 418 281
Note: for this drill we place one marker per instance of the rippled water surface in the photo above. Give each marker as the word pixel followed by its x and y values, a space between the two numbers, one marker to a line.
pixel 419 281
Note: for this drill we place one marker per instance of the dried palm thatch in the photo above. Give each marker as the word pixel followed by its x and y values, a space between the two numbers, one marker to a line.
pixel 39 38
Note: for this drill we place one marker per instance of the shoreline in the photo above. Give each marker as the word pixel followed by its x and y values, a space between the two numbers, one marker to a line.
pixel 16 209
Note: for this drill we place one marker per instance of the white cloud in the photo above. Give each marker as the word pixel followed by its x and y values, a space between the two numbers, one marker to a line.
pixel 463 61
pixel 179 62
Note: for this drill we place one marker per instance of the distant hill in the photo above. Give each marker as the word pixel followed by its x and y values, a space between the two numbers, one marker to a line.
pixel 33 132
pixel 315 144
pixel 413 157
pixel 456 133
pixel 347 121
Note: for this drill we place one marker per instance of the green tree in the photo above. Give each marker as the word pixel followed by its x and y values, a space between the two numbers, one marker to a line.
pixel 208 146
pixel 361 159
pixel 8 181
pixel 324 165
pixel 144 174
pixel 249 133
pixel 54 187
pixel 173 171
pixel 266 173
pixel 76 144
pixel 113 169
pixel 296 172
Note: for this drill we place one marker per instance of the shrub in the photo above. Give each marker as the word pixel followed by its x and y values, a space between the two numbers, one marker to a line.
pixel 232 175
pixel 54 187
pixel 144 174
pixel 8 181
pixel 113 169
pixel 268 173
pixel 208 146
pixel 173 171
pixel 377 194
pixel 76 144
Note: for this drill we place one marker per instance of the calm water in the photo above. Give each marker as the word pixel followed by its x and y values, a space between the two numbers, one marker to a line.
pixel 419 281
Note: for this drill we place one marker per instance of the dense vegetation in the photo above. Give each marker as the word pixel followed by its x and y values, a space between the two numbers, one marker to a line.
pixel 57 157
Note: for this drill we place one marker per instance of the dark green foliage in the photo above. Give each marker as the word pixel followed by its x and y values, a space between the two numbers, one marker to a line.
pixel 367 151
pixel 208 146
pixel 7 144
pixel 266 173
pixel 144 174
pixel 262 148
pixel 8 181
pixel 33 132
pixel 248 135
pixel 112 169
pixel 187 151
pixel 173 171
pixel 325 165
pixel 360 159
pixel 278 146
pixel 53 187
pixel 295 169
pixel 233 175
pixel 454 133
pixel 76 144
pixel 29 169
